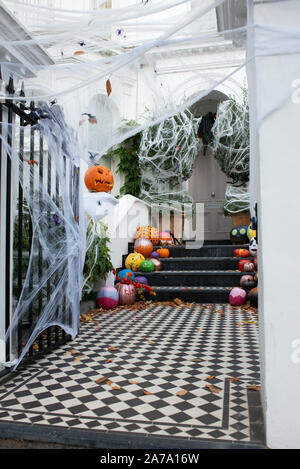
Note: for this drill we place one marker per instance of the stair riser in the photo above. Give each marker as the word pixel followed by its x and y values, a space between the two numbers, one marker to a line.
pixel 205 251
pixel 193 296
pixel 189 279
pixel 201 264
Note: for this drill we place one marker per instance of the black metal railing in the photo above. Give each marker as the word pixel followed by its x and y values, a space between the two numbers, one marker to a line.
pixel 20 130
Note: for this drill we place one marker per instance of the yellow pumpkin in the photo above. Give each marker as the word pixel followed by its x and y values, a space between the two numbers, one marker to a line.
pixel 99 179
pixel 133 261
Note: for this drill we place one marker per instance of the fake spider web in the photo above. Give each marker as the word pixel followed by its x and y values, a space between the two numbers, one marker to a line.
pixel 167 155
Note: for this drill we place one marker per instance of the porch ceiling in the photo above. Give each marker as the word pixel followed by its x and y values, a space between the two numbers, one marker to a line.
pixel 20 54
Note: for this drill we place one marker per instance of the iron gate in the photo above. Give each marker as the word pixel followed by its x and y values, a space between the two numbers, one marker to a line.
pixel 21 120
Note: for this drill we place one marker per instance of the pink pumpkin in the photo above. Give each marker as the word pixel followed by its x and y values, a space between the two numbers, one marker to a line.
pixel 237 296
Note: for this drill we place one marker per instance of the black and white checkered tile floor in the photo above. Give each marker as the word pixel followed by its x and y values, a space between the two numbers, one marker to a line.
pixel 164 371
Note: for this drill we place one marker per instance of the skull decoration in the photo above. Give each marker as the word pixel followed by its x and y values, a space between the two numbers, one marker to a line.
pixel 253 246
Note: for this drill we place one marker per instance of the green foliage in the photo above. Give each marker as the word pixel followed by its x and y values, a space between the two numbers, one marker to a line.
pixel 128 165
pixel 97 260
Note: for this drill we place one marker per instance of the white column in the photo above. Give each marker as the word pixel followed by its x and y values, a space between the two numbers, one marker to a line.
pixel 279 228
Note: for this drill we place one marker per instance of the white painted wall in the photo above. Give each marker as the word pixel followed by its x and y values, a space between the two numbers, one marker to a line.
pixel 279 225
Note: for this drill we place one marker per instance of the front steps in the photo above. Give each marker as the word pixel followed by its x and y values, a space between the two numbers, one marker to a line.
pixel 201 275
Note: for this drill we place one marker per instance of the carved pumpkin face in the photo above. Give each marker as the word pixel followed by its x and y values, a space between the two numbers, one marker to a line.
pixel 99 179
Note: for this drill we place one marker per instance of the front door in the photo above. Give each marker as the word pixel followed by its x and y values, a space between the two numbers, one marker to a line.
pixel 207 185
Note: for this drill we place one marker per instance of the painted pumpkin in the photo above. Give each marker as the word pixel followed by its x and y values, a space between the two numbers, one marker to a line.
pixel 148 232
pixel 247 282
pixel 249 267
pixel 241 264
pixel 253 297
pixel 157 264
pixel 238 235
pixel 147 266
pixel 99 179
pixel 163 252
pixel 241 253
pixel 143 246
pixel 125 273
pixel 127 294
pixel 237 296
pixel 250 233
pixel 133 261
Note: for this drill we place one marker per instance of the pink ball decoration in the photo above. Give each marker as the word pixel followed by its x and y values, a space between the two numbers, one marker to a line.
pixel 108 297
pixel 237 296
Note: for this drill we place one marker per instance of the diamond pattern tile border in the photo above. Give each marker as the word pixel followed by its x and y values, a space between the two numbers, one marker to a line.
pixel 168 372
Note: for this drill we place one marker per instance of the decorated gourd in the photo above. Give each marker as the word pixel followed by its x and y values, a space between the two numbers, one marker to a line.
pixel 241 264
pixel 237 296
pixel 133 261
pixel 141 279
pixel 148 232
pixel 249 267
pixel 125 273
pixel 241 253
pixel 147 266
pixel 238 235
pixel 143 246
pixel 247 282
pixel 250 233
pixel 253 297
pixel 163 252
pixel 99 179
pixel 107 297
pixel 127 293
pixel 157 264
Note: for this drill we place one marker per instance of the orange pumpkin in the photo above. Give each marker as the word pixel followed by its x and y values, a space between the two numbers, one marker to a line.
pixel 163 252
pixel 99 179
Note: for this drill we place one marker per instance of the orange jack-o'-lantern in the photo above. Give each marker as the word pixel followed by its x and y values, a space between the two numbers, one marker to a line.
pixel 99 179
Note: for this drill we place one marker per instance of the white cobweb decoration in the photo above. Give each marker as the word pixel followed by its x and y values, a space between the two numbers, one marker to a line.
pixel 167 155
pixel 231 147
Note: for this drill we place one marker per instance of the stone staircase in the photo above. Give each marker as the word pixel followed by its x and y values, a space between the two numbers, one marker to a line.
pixel 201 275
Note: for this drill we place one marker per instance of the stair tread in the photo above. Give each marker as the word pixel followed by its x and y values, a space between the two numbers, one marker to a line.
pixel 192 272
pixel 198 258
pixel 162 287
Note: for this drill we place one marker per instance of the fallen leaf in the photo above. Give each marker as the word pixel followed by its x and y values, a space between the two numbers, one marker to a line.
pixel 73 351
pixel 117 388
pixel 113 349
pixel 178 302
pixel 213 389
pixel 101 380
pixel 196 360
pixel 182 392
pixel 131 381
pixel 254 388
pixel 108 87
pixel 210 377
pixel 234 379
pixel 147 392
pixel 109 360
pixel 109 383
pixel 77 359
